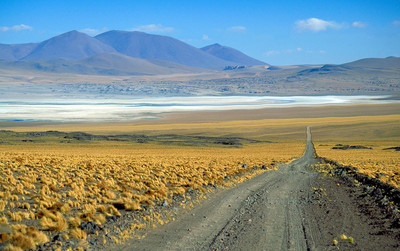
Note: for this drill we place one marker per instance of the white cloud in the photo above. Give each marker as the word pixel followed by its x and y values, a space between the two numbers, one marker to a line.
pixel 205 37
pixel 291 51
pixel 317 52
pixel 18 27
pixel 396 22
pixel 154 28
pixel 358 24
pixel 315 24
pixel 271 53
pixel 94 32
pixel 237 28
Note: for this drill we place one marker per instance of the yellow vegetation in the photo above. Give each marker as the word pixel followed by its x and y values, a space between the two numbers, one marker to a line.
pixel 78 234
pixel 23 237
pixel 54 223
pixel 375 162
pixel 84 184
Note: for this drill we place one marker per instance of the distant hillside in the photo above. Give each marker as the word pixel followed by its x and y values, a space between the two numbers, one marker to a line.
pixel 147 46
pixel 232 55
pixel 15 51
pixel 129 65
pixel 376 63
pixel 72 45
pixel 111 63
pixel 368 66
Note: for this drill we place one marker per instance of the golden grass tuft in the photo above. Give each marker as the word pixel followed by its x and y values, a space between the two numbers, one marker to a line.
pixel 101 208
pixel 3 220
pixel 132 206
pixel 100 219
pixel 65 236
pixel 4 237
pixel 3 204
pixel 75 221
pixel 10 247
pixel 37 236
pixel 78 233
pixel 22 241
pixel 54 222
pixel 16 216
pixel 110 194
pixel 65 208
pixel 111 210
pixel 23 237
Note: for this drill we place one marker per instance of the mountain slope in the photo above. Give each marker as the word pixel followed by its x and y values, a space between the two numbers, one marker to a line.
pixel 147 46
pixel 367 66
pixel 230 54
pixel 72 45
pixel 129 65
pixel 111 63
pixel 376 63
pixel 15 51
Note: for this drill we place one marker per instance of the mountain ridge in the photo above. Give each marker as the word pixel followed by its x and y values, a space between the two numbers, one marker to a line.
pixel 148 46
pixel 110 63
pixel 366 66
pixel 16 51
pixel 231 54
pixel 75 48
pixel 73 45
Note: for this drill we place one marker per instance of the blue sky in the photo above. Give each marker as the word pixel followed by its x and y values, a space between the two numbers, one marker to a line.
pixel 277 32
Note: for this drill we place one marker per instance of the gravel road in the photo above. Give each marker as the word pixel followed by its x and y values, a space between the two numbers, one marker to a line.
pixel 294 208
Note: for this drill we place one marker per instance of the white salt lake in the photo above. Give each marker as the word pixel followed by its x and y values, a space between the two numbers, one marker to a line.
pixel 97 110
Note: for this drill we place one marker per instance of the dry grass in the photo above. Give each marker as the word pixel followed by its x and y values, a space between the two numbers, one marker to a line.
pixel 376 163
pixel 45 186
pixel 376 132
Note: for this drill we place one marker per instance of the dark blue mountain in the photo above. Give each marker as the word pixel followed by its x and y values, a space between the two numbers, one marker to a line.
pixel 232 55
pixel 148 46
pixel 72 45
pixel 15 51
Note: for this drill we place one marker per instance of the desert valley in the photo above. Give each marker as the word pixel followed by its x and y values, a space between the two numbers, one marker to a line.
pixel 129 140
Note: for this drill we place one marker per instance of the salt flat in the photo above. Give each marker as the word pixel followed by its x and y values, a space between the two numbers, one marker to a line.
pixel 52 109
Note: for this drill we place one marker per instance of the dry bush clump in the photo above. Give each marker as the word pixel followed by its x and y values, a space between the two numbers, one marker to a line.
pixel 78 233
pixel 22 237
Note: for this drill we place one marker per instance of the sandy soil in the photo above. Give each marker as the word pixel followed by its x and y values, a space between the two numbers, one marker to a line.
pixel 281 113
pixel 294 208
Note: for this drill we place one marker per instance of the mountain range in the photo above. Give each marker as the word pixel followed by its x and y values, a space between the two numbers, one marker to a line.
pixel 119 53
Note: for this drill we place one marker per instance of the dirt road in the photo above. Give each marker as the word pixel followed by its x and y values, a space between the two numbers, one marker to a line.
pixel 294 208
